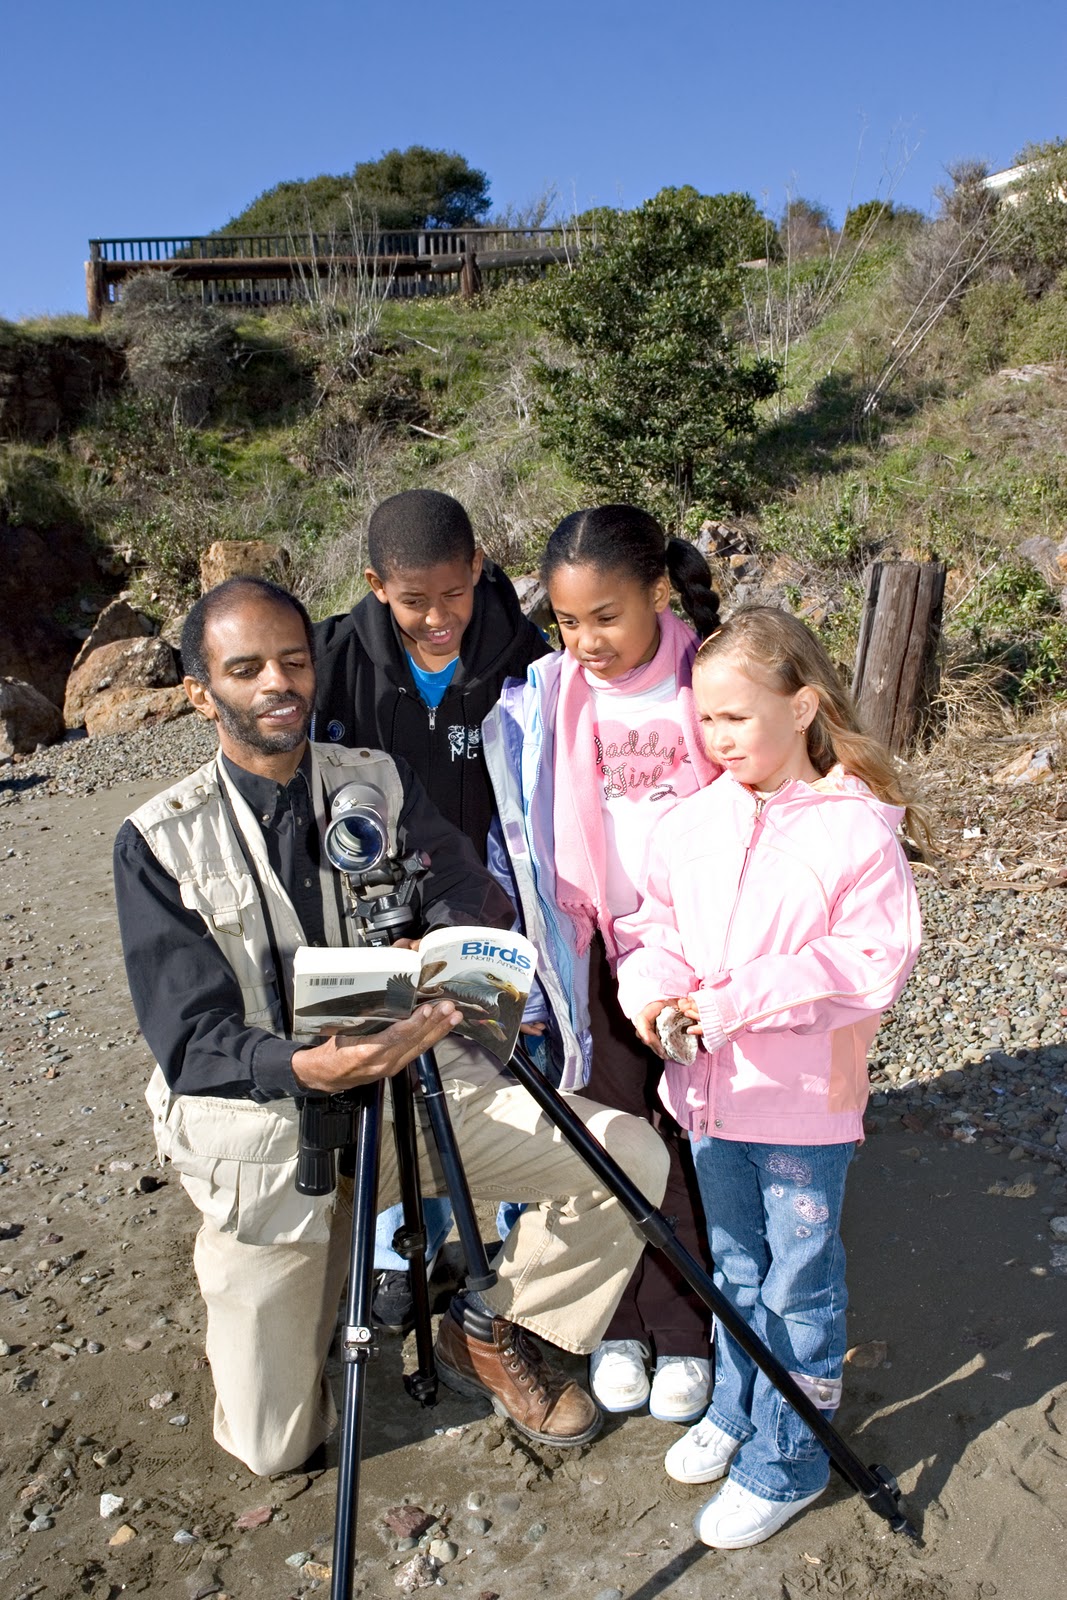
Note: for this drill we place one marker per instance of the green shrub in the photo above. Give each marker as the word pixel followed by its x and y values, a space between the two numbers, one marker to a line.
pixel 1038 246
pixel 1013 617
pixel 1044 336
pixel 879 217
pixel 651 395
pixel 33 488
pixel 177 350
pixel 990 316
pixel 830 534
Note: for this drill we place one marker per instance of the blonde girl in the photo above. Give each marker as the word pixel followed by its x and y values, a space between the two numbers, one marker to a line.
pixel 780 918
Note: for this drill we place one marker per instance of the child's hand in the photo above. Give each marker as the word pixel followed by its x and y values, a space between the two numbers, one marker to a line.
pixel 687 1005
pixel 645 1023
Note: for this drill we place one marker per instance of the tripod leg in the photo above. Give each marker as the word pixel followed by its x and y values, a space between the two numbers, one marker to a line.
pixel 479 1273
pixel 357 1335
pixel 875 1484
pixel 422 1383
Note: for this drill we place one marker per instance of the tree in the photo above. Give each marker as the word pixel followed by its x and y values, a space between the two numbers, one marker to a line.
pixel 420 188
pixel 320 205
pixel 413 188
pixel 656 394
pixel 806 227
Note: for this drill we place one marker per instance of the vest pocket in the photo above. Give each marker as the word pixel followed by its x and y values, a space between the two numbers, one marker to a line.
pixel 220 900
pixel 237 1161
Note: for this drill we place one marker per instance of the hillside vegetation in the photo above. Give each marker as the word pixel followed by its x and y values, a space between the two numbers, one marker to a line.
pixel 919 410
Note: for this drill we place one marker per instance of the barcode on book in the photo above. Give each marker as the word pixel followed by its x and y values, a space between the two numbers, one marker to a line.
pixel 334 983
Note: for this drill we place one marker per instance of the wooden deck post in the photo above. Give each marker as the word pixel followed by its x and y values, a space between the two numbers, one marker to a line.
pixel 95 287
pixel 470 275
pixel 895 675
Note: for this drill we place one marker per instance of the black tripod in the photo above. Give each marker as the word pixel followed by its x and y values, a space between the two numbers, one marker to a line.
pixel 380 900
pixel 352 1123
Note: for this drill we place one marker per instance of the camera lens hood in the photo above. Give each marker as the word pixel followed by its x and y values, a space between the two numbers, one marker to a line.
pixel 357 835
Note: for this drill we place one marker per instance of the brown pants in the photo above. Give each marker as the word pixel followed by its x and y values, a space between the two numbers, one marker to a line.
pixel 657 1306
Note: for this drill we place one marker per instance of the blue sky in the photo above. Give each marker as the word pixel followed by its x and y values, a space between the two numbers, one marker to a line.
pixel 135 118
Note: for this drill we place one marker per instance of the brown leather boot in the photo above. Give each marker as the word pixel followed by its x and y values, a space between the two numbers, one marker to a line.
pixel 540 1400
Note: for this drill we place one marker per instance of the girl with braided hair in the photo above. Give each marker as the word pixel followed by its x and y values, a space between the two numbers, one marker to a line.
pixel 587 757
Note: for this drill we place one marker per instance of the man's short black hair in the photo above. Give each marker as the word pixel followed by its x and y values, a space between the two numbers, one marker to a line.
pixel 416 529
pixel 226 597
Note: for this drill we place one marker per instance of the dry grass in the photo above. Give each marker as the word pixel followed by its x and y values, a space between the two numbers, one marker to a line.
pixel 992 832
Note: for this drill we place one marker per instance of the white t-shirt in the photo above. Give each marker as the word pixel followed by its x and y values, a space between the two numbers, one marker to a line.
pixel 643 770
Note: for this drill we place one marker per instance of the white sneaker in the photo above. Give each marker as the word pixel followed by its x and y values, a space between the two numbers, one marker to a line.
pixel 681 1388
pixel 736 1517
pixel 617 1374
pixel 700 1455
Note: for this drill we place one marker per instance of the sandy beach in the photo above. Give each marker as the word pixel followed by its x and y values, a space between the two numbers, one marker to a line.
pixel 957 1317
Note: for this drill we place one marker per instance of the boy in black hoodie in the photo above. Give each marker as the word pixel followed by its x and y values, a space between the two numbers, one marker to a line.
pixel 415 667
pixel 412 670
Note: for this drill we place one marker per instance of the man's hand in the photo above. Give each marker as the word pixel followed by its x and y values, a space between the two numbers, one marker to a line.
pixel 345 1061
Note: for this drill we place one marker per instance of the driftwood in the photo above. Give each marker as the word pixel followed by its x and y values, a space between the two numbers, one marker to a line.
pixel 895 675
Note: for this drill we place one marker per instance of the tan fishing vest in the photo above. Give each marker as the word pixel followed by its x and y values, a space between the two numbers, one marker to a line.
pixel 237 1158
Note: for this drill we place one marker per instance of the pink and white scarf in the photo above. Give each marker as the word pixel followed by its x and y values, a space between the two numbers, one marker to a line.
pixel 577 817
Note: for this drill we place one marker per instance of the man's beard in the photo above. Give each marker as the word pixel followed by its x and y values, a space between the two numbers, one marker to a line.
pixel 244 728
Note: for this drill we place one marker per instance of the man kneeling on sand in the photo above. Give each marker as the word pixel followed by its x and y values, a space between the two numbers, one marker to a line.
pixel 218 880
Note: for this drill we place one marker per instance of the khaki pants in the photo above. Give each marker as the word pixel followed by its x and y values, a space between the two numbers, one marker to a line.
pixel 272 1308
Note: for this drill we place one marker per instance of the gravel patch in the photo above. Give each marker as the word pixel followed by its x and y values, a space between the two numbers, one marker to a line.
pixel 80 766
pixel 975 1045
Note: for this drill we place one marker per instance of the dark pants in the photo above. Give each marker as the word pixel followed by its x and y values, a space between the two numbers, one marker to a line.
pixel 657 1306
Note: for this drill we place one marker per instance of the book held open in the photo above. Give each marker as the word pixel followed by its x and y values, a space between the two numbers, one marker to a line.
pixel 487 975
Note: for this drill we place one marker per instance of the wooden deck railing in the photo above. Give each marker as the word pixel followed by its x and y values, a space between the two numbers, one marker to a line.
pixel 258 269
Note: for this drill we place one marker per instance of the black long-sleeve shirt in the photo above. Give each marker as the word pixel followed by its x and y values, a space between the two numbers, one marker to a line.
pixel 185 993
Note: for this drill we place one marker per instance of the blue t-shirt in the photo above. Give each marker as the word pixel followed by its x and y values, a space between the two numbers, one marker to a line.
pixel 432 685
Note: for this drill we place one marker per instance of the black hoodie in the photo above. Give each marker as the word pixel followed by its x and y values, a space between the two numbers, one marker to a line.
pixel 366 694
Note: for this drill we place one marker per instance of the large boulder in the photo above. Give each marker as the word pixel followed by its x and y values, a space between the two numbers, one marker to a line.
pixel 121 710
pixel 117 621
pixel 242 558
pixel 126 664
pixel 27 719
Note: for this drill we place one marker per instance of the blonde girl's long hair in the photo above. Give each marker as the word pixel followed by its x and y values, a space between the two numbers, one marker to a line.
pixel 773 645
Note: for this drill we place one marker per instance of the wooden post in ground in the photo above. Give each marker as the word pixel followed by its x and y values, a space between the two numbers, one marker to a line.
pixel 896 657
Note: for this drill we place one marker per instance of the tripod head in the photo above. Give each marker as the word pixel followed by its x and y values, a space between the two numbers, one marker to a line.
pixel 380 898
pixel 382 901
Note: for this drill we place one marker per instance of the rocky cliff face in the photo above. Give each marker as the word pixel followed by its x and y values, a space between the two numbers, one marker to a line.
pixel 47 384
pixel 42 574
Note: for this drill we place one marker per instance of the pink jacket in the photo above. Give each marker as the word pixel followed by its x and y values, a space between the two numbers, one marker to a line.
pixel 795 922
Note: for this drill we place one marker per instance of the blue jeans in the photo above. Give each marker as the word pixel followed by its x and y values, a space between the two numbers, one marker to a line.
pixel 436 1214
pixel 774 1215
